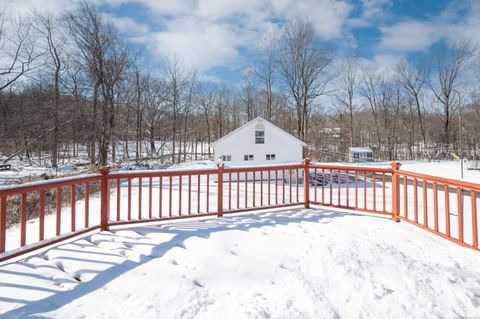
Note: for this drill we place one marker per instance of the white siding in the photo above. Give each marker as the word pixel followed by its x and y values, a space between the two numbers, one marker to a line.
pixel 242 142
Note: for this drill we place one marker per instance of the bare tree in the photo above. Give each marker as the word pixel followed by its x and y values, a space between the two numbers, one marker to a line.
pixel 248 95
pixel 448 63
pixel 346 92
pixel 413 80
pixel 19 46
pixel 93 37
pixel 49 29
pixel 302 65
pixel 265 72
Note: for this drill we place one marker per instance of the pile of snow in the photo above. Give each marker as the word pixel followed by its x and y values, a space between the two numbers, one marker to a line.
pixel 300 263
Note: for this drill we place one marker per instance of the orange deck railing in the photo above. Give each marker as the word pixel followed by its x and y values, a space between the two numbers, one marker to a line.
pixel 33 215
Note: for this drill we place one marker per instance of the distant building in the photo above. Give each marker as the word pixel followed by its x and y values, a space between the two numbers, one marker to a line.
pixel 258 142
pixel 360 154
pixel 334 132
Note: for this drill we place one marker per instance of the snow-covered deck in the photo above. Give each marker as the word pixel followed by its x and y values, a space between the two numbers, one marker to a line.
pixel 309 263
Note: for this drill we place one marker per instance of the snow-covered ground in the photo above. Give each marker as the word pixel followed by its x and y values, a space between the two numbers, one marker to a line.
pixel 304 263
pixel 448 169
pixel 24 170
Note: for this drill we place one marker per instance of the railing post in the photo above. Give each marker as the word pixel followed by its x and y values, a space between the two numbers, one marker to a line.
pixel 306 183
pixel 104 197
pixel 220 190
pixel 395 191
pixel 3 222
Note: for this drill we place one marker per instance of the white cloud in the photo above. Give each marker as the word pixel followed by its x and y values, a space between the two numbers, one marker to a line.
pixel 459 21
pixel 211 33
pixel 128 26
pixel 196 44
pixel 410 36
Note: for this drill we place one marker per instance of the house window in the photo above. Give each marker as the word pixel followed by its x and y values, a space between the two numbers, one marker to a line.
pixel 356 155
pixel 248 157
pixel 369 155
pixel 226 158
pixel 270 157
pixel 259 137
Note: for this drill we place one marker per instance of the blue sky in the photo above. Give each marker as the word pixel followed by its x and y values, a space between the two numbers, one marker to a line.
pixel 223 38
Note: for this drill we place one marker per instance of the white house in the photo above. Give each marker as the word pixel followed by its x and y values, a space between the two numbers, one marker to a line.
pixel 360 154
pixel 258 142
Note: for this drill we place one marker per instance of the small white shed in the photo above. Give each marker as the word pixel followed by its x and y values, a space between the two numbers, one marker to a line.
pixel 258 142
pixel 360 154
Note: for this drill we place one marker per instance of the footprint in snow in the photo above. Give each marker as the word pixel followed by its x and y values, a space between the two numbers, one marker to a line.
pixel 197 283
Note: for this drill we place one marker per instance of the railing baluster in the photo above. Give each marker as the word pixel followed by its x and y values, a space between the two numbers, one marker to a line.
pixel 198 194
pixel 473 198
pixel 3 222
pixel 253 189
pixel 290 184
pixel 323 186
pixel 129 199
pixel 58 211
pixel 339 182
pixel 23 220
pixel 119 185
pixel 296 187
pixel 230 191
pixel 374 181
pixel 415 200
pixel 180 195
pixel 405 196
pixel 331 187
pixel 348 187
pixel 208 193
pixel 87 204
pixel 41 231
pixel 276 187
pixel 435 207
pixel 268 186
pixel 283 186
pixel 315 185
pixel 356 189
pixel 160 195
pixel 189 194
pixel 246 189
pixel 261 188
pixel 425 203
pixel 170 208
pixel 460 213
pixel 364 189
pixel 140 198
pixel 446 191
pixel 150 189
pixel 238 190
pixel 72 207
pixel 384 201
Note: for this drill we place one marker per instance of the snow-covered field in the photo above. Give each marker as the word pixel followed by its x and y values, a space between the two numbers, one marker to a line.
pixel 448 169
pixel 26 170
pixel 305 263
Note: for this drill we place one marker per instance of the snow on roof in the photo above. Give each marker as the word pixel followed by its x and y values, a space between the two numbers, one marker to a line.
pixel 363 149
pixel 258 119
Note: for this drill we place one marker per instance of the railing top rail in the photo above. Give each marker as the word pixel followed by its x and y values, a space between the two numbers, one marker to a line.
pixel 157 173
pixel 442 180
pixel 263 168
pixel 47 184
pixel 352 168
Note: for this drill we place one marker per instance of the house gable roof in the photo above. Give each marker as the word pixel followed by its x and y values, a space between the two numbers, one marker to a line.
pixel 256 120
